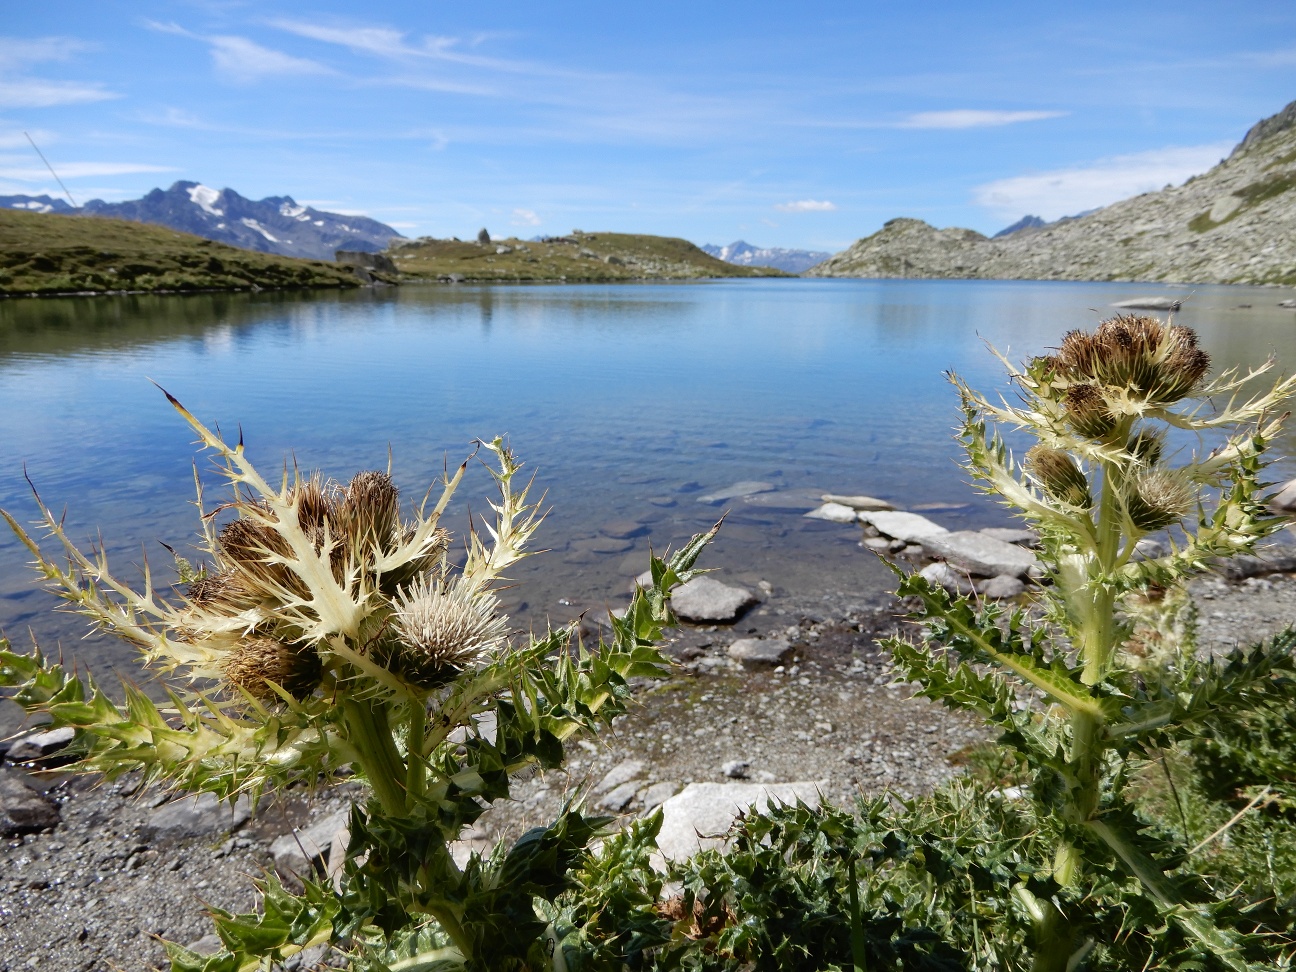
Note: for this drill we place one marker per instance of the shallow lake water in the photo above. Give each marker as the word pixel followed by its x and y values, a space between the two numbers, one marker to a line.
pixel 628 402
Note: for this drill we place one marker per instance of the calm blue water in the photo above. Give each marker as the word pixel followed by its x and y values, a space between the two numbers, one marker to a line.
pixel 622 399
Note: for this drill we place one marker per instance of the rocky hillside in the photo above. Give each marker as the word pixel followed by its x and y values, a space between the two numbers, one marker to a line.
pixel 42 254
pixel 594 257
pixel 1233 224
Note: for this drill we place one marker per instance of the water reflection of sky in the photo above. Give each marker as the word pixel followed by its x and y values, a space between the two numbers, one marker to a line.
pixel 619 397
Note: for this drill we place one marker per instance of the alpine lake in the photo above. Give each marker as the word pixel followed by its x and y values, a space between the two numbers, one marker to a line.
pixel 629 404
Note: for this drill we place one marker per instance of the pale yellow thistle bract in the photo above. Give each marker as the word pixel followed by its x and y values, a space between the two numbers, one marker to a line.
pixel 315 590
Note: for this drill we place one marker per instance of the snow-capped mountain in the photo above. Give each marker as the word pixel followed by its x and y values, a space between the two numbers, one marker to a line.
pixel 744 254
pixel 36 204
pixel 276 224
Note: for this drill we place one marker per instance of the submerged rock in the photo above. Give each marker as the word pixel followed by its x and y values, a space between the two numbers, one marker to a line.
pixel 736 491
pixel 835 512
pixel 857 502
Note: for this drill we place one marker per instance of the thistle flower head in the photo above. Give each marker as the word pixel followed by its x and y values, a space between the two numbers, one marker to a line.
pixel 258 663
pixel 1137 356
pixel 1058 473
pixel 1087 410
pixel 1159 498
pixel 444 626
pixel 370 510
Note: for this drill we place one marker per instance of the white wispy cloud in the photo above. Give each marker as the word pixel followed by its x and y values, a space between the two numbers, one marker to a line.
pixel 17 52
pixel 14 139
pixel 20 169
pixel 1064 192
pixel 244 60
pixel 806 206
pixel 37 93
pixel 971 118
pixel 525 217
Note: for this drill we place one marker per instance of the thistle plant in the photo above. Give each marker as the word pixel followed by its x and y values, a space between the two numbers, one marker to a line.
pixel 325 633
pixel 1083 686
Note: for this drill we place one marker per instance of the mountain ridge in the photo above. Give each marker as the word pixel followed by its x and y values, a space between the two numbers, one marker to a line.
pixel 1235 223
pixel 276 224
pixel 743 254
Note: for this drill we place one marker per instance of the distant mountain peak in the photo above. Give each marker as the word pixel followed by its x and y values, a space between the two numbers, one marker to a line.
pixel 1267 128
pixel 36 204
pixel 742 253
pixel 276 224
pixel 1025 223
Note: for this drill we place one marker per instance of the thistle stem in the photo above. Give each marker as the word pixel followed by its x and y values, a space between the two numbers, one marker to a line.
pixel 371 735
pixel 416 770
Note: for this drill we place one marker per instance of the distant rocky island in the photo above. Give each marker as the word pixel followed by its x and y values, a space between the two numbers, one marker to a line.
pixel 276 224
pixel 1234 224
pixel 743 254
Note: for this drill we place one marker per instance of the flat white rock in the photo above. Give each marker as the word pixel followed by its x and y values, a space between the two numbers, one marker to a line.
pixel 699 816
pixel 909 527
pixel 295 852
pixel 979 554
pixel 836 512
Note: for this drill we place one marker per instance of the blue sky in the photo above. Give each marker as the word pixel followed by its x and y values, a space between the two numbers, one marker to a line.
pixel 805 125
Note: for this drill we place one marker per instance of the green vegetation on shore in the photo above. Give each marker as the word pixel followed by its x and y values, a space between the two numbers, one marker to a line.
pixel 44 254
pixel 595 257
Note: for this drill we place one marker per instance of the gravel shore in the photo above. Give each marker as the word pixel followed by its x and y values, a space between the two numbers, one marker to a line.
pixel 95 891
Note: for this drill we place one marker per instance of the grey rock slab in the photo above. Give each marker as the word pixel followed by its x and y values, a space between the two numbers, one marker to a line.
pixel 1150 303
pixel 705 599
pixel 736 491
pixel 1268 560
pixel 880 544
pixel 24 809
pixel 37 745
pixel 857 502
pixel 700 815
pixel 980 554
pixel 207 945
pixel 197 817
pixel 619 798
pixel 785 500
pixel 1023 538
pixel 1149 549
pixel 622 772
pixel 1002 587
pixel 834 512
pixel 296 852
pixel 909 527
pixel 659 793
pixel 760 651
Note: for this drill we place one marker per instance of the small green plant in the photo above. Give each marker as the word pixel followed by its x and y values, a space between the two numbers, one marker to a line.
pixel 325 634
pixel 1089 691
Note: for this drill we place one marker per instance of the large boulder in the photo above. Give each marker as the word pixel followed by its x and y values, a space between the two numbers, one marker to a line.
pixel 699 816
pixel 706 600
pixel 982 555
pixel 24 809
pixel 909 527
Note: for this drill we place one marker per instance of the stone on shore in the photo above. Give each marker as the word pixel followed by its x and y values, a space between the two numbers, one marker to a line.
pixel 857 502
pixel 24 809
pixel 623 772
pixel 760 651
pixel 704 599
pixel 659 793
pixel 198 816
pixel 1266 560
pixel 295 853
pixel 1284 501
pixel 982 555
pixel 909 527
pixel 38 745
pixel 698 817
pixel 943 575
pixel 736 491
pixel 1002 587
pixel 618 799
pixel 835 512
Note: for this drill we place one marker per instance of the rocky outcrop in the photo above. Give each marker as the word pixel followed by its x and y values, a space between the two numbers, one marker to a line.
pixel 1233 224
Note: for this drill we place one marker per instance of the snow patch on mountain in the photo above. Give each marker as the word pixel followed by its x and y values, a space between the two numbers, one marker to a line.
pixel 205 199
pixel 744 254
